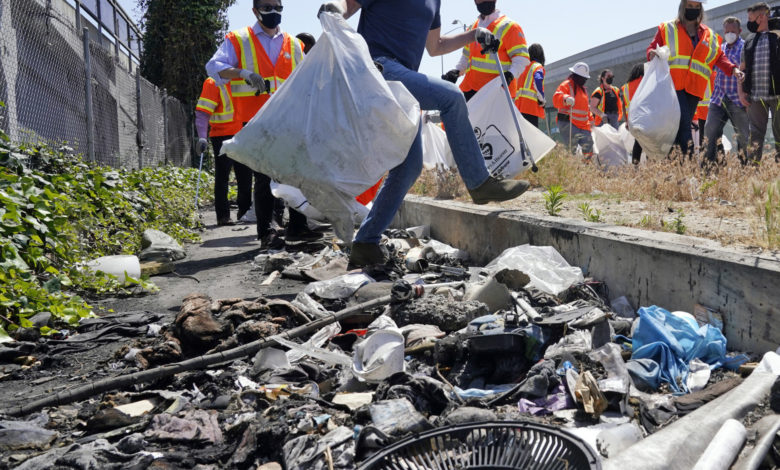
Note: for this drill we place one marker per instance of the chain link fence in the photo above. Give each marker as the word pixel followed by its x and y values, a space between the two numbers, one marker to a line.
pixel 46 61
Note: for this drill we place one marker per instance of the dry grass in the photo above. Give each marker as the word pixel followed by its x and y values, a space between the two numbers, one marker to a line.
pixel 731 190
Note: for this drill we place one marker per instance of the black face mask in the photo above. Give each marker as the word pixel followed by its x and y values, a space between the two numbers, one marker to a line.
pixel 692 13
pixel 270 20
pixel 486 8
pixel 579 80
pixel 609 80
pixel 752 26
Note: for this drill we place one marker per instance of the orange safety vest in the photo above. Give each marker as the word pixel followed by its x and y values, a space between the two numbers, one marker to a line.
pixel 691 68
pixel 482 67
pixel 580 113
pixel 253 57
pixel 602 104
pixel 526 98
pixel 627 92
pixel 217 101
pixel 703 108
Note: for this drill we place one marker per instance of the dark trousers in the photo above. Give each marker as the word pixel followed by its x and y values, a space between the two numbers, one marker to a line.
pixel 222 166
pixel 688 104
pixel 532 119
pixel 636 153
pixel 266 205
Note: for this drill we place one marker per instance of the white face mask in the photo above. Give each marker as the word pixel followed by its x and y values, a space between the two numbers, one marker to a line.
pixel 730 37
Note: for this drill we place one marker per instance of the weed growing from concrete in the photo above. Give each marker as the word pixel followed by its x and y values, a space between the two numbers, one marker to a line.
pixel 590 214
pixel 553 199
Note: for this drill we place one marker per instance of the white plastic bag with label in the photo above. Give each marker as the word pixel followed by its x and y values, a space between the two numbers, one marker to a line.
pixel 654 114
pixel 607 143
pixel 295 199
pixel 437 153
pixel 334 128
pixel 496 132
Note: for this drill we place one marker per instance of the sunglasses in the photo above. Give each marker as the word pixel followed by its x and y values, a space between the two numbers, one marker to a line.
pixel 270 8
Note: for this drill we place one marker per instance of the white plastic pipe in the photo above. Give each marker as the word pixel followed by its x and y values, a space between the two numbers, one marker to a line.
pixel 724 447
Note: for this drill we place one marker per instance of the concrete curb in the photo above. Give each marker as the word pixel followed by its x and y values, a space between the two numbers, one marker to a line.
pixel 673 271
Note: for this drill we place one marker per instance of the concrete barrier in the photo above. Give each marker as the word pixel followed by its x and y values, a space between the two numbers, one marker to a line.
pixel 650 268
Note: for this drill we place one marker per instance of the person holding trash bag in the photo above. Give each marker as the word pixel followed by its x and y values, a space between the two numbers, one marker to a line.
pixel 760 91
pixel 605 101
pixel 724 103
pixel 627 92
pixel 477 66
pixel 397 32
pixel 695 51
pixel 529 98
pixel 255 61
pixel 215 117
pixel 574 115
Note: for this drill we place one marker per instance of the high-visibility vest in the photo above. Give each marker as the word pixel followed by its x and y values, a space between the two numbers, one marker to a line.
pixel 482 67
pixel 627 92
pixel 580 113
pixel 253 57
pixel 526 98
pixel 703 108
pixel 217 101
pixel 691 68
pixel 602 104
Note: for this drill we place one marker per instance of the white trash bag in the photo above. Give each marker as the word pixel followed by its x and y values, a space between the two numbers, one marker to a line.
pixel 295 199
pixel 437 153
pixel 609 146
pixel 654 114
pixel 548 270
pixel 497 135
pixel 334 128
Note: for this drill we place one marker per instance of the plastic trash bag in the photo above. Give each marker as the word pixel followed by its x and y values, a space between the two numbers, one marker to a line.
pixel 654 115
pixel 339 287
pixel 295 199
pixel 609 145
pixel 437 153
pixel 548 271
pixel 333 129
pixel 495 129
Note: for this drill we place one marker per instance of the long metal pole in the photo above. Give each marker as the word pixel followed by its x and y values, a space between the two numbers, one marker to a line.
pixel 88 98
pixel 78 15
pixel 165 124
pixel 139 136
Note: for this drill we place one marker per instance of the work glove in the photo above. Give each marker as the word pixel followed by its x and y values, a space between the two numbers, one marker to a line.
pixel 509 77
pixel 451 76
pixel 256 81
pixel 569 100
pixel 487 40
pixel 541 101
pixel 330 7
pixel 201 146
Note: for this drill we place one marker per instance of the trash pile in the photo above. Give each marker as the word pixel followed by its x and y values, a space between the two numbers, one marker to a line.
pixel 361 364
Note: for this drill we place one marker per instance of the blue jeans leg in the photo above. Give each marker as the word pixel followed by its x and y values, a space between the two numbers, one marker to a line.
pixel 433 94
pixel 688 103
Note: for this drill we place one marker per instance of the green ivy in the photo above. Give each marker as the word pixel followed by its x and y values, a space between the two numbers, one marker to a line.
pixel 57 212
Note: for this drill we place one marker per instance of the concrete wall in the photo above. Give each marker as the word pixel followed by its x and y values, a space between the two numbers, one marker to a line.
pixel 672 271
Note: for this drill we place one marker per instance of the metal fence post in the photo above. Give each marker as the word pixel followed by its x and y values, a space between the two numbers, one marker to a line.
pixel 139 118
pixel 88 96
pixel 165 124
pixel 78 15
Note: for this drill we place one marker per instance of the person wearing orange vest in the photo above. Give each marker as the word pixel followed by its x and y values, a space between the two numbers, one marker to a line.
pixel 702 110
pixel 255 61
pixel 571 99
pixel 215 117
pixel 627 92
pixel 695 51
pixel 605 101
pixel 529 98
pixel 478 68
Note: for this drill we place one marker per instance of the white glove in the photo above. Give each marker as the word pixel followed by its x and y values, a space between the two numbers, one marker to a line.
pixel 202 145
pixel 330 7
pixel 486 39
pixel 569 100
pixel 254 80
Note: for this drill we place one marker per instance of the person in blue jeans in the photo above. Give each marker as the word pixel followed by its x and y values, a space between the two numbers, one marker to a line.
pixel 397 32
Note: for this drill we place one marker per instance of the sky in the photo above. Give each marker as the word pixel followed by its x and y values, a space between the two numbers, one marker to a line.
pixel 562 27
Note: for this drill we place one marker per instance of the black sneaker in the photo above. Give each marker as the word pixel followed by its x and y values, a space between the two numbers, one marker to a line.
pixel 271 241
pixel 225 222
pixel 304 235
pixel 367 254
pixel 494 190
